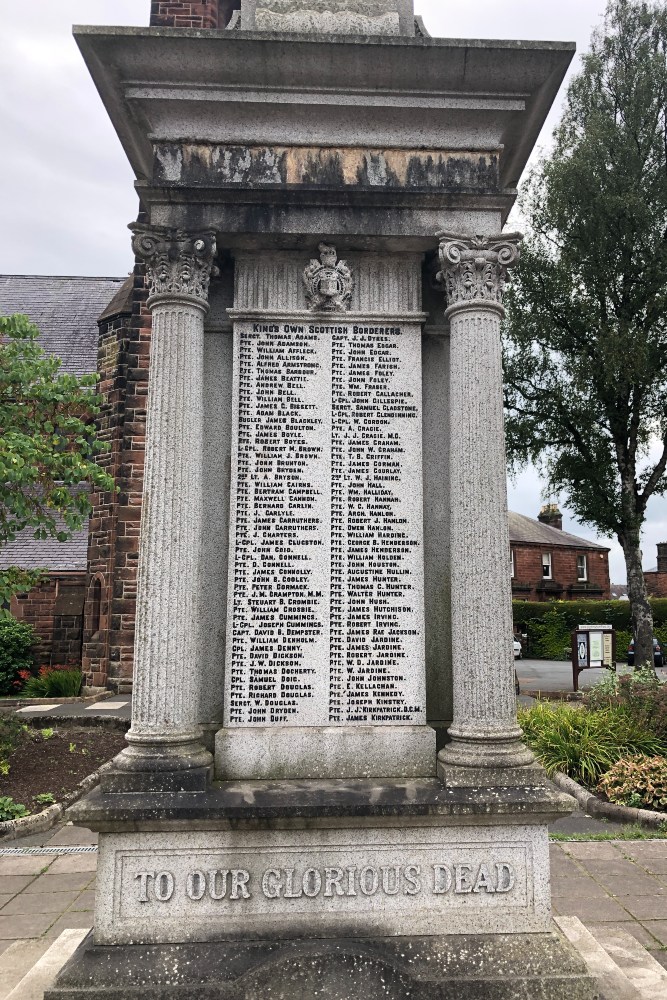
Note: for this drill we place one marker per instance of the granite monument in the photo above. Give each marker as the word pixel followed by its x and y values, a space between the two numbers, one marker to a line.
pixel 324 791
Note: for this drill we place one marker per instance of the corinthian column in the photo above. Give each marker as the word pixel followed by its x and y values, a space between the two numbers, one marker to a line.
pixel 164 751
pixel 485 737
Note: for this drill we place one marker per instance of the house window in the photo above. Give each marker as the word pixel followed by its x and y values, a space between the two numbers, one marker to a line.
pixel 582 569
pixel 546 565
pixel 513 568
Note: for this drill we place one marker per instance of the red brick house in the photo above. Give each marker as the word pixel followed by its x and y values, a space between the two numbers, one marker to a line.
pixel 550 564
pixel 656 579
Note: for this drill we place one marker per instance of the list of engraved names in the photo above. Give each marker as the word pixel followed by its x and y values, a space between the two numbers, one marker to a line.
pixel 326 568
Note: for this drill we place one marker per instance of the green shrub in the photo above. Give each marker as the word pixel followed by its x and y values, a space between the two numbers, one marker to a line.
pixel 16 639
pixel 640 782
pixel 584 743
pixel 11 730
pixel 10 809
pixel 45 798
pixel 54 683
pixel 641 694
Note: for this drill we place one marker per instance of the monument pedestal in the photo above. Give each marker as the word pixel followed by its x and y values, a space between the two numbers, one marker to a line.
pixel 291 890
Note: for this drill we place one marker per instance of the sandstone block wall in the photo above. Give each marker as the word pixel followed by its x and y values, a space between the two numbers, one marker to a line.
pixel 55 608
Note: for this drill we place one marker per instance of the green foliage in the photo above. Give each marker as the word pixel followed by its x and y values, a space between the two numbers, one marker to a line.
pixel 585 343
pixel 584 743
pixel 45 799
pixel 16 639
pixel 47 734
pixel 48 445
pixel 642 695
pixel 10 809
pixel 640 782
pixel 549 635
pixel 54 683
pixel 529 616
pixel 11 731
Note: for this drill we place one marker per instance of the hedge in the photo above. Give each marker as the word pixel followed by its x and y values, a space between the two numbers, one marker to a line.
pixel 549 624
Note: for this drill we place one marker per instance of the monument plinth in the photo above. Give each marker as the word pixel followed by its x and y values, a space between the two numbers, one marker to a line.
pixel 324 585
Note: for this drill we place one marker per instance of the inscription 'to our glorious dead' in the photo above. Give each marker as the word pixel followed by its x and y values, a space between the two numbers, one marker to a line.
pixel 328 882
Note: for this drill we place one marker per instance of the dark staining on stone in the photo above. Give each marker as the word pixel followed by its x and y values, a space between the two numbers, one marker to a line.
pixel 324 170
pixel 345 169
pixel 455 174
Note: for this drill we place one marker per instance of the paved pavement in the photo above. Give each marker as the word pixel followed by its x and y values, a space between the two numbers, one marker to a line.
pixel 613 885
pixel 119 707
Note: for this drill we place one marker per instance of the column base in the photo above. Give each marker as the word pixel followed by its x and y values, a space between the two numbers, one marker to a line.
pixel 180 764
pixel 322 752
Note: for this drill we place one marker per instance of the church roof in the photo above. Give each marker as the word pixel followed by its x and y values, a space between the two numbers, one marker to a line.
pixel 66 311
pixel 532 532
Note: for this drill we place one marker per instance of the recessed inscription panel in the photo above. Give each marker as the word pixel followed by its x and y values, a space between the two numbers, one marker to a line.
pixel 206 884
pixel 326 574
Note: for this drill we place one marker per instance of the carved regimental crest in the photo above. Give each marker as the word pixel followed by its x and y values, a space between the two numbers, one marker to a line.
pixel 328 283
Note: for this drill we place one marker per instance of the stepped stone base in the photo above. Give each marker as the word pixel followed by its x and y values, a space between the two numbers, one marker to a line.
pixel 457 967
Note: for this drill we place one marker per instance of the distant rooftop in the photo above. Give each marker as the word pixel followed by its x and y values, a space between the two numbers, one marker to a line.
pixel 66 311
pixel 28 552
pixel 533 532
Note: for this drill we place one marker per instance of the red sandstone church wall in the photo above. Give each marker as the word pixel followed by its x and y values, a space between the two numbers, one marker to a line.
pixel 184 15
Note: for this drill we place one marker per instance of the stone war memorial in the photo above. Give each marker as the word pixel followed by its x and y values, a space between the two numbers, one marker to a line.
pixel 324 791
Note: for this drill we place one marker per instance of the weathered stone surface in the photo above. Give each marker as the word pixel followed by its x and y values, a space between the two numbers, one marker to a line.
pixel 457 967
pixel 375 881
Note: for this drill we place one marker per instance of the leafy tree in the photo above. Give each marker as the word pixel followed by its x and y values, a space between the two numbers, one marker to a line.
pixel 47 446
pixel 585 346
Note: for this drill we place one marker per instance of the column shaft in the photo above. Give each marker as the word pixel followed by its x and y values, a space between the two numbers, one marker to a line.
pixel 167 681
pixel 164 751
pixel 484 733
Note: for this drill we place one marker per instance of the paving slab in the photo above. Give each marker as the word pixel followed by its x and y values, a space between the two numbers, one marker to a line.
pixel 592 851
pixel 601 910
pixel 580 885
pixel 646 907
pixel 84 901
pixel 647 975
pixel 24 925
pixel 630 926
pixel 24 865
pixel 658 928
pixel 39 902
pixel 68 864
pixel 74 881
pixel 71 836
pixel 11 884
pixel 70 920
pixel 637 885
pixel 43 974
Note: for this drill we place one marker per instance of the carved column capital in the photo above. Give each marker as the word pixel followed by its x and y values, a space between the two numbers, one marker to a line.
pixel 178 264
pixel 474 269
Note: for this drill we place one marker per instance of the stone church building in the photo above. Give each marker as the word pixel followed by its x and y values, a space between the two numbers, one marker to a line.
pixel 85 611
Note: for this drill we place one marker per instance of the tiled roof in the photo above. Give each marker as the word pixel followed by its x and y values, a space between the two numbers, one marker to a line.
pixel 66 311
pixel 28 552
pixel 533 532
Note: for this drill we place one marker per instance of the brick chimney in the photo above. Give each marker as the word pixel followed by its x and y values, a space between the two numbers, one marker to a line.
pixel 176 14
pixel 662 557
pixel 551 515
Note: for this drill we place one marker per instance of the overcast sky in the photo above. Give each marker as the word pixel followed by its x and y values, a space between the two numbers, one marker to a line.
pixel 67 192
